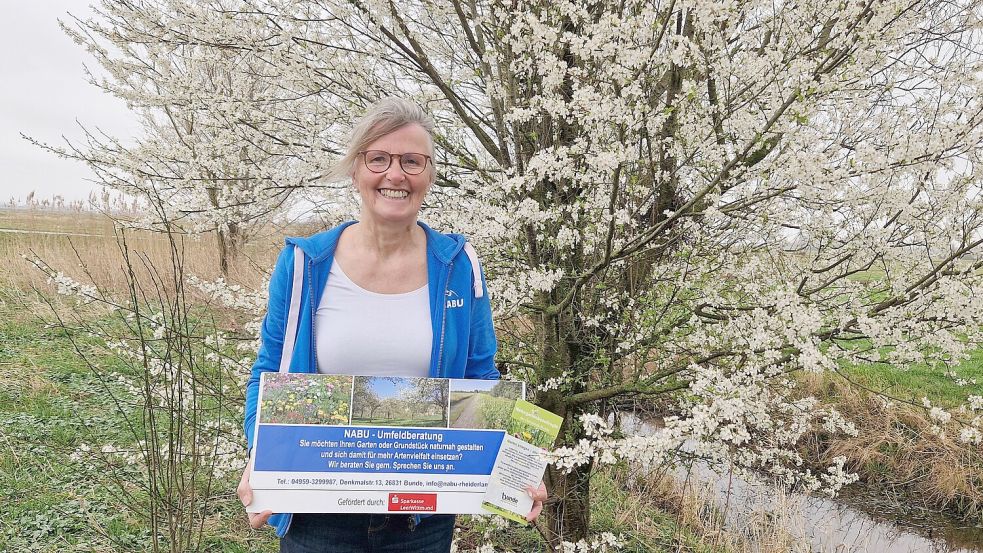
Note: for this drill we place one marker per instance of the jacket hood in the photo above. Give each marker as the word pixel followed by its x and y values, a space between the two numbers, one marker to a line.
pixel 320 246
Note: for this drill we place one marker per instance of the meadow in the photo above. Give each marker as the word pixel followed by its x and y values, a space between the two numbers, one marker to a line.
pixel 479 410
pixel 69 474
pixel 85 245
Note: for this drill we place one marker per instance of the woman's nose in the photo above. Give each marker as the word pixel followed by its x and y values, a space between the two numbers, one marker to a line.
pixel 395 171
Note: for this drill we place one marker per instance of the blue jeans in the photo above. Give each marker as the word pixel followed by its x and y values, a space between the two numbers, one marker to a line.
pixel 335 533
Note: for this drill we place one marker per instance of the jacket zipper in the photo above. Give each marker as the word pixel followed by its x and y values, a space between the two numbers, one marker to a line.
pixel 310 294
pixel 443 320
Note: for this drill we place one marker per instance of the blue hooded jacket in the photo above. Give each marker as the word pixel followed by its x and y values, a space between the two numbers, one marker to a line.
pixel 464 342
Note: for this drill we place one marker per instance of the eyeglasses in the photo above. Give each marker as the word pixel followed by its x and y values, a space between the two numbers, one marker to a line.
pixel 379 161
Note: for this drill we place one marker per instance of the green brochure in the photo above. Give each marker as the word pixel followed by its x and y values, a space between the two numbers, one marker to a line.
pixel 521 461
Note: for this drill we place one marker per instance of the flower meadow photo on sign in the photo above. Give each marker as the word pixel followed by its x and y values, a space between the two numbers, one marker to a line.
pixel 306 399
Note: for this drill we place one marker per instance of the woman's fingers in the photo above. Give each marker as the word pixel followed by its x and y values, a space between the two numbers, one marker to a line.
pixel 538 495
pixel 258 520
pixel 244 490
pixel 245 493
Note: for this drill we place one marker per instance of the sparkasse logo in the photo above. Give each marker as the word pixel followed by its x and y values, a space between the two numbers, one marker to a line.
pixel 421 502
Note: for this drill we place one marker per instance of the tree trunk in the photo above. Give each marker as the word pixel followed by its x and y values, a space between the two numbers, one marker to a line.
pixel 229 245
pixel 568 511
pixel 229 237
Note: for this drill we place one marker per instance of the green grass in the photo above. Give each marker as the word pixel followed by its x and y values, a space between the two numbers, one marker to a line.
pixel 644 526
pixel 380 421
pixel 918 380
pixel 51 402
pixel 46 393
pixel 921 380
pixel 495 412
pixel 489 411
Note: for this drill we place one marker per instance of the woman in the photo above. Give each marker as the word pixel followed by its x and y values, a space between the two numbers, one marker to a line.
pixel 373 298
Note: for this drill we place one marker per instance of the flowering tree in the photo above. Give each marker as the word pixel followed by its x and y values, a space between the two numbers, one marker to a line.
pixel 207 152
pixel 678 201
pixel 434 395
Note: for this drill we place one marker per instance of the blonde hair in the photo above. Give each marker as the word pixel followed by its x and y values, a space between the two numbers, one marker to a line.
pixel 383 117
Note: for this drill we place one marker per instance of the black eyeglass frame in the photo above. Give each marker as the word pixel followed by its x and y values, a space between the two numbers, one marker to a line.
pixel 365 161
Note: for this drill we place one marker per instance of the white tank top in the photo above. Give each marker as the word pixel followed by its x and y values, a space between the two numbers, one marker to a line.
pixel 361 332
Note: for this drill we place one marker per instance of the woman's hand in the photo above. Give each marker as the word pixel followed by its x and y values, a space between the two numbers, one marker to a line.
pixel 538 497
pixel 245 493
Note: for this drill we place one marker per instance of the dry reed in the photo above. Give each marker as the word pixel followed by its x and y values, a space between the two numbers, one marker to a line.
pixel 87 247
pixel 897 450
pixel 697 509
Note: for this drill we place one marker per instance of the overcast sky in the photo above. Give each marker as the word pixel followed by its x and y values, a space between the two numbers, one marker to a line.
pixel 45 95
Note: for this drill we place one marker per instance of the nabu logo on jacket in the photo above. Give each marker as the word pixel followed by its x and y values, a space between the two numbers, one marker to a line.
pixel 453 300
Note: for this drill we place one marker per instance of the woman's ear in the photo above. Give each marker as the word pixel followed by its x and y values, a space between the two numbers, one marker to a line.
pixel 351 177
pixel 353 185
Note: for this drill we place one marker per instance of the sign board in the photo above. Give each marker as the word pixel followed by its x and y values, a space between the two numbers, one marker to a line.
pixel 369 444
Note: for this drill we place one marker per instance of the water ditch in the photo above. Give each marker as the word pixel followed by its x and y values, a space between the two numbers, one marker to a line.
pixel 46 232
pixel 855 521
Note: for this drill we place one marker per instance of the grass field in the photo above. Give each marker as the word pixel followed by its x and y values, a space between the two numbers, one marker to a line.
pixel 80 243
pixel 59 423
pixel 479 410
pixel 920 380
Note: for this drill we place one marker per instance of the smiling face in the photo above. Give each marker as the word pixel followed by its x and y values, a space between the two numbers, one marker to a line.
pixel 394 196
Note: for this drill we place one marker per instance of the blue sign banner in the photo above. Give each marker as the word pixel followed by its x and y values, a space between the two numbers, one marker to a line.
pixel 303 448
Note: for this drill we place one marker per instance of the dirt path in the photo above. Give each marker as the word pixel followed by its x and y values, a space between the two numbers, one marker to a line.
pixel 469 415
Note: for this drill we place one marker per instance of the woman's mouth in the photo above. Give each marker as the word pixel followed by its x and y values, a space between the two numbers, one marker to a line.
pixel 393 194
